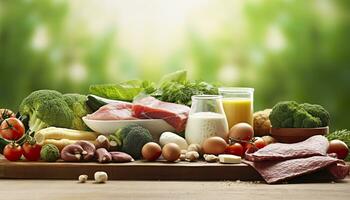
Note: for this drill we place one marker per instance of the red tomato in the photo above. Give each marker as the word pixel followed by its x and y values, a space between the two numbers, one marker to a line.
pixel 247 146
pixel 235 149
pixel 12 129
pixel 259 142
pixel 12 152
pixel 31 151
pixel 338 147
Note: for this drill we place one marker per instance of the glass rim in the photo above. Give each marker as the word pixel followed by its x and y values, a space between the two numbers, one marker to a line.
pixel 235 89
pixel 205 97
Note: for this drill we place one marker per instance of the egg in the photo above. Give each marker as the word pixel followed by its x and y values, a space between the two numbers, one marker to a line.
pixel 241 131
pixel 151 151
pixel 214 145
pixel 171 152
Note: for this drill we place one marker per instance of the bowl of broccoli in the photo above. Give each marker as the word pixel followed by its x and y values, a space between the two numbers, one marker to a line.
pixel 292 122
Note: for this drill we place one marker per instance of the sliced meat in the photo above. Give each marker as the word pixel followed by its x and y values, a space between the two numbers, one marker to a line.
pixel 314 146
pixel 277 171
pixel 151 108
pixel 113 111
pixel 278 162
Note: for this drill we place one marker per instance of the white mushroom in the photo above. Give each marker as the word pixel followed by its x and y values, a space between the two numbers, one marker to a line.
pixel 100 177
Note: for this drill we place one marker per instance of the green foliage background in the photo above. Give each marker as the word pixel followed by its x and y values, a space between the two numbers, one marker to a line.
pixel 311 64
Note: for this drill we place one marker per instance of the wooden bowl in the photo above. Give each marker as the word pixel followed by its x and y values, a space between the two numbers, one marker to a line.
pixel 292 135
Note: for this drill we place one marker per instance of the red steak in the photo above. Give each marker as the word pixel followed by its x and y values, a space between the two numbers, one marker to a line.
pixel 151 108
pixel 314 146
pixel 278 162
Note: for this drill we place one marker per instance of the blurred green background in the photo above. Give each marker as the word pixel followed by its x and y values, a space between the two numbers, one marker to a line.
pixel 287 50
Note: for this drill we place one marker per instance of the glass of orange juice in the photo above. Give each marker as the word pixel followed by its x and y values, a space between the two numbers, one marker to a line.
pixel 238 104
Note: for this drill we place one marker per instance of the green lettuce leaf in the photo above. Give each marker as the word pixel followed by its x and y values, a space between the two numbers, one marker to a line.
pixel 124 91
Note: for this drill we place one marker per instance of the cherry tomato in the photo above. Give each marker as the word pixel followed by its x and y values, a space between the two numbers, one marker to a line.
pixel 338 147
pixel 235 149
pixel 259 142
pixel 12 129
pixel 31 151
pixel 13 152
pixel 248 146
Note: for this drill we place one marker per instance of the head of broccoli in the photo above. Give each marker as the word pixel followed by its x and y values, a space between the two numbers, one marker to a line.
pixel 289 114
pixel 46 108
pixel 132 138
pixel 77 103
pixel 50 108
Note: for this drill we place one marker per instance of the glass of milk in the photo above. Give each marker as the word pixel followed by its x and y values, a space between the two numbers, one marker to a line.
pixel 206 119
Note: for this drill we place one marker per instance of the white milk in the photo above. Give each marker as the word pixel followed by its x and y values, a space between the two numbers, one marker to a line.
pixel 203 125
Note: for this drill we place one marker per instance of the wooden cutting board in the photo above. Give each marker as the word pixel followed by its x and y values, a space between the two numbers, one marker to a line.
pixel 138 170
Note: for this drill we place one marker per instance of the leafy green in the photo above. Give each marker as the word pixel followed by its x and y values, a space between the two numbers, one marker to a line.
pixel 173 87
pixel 181 92
pixel 125 91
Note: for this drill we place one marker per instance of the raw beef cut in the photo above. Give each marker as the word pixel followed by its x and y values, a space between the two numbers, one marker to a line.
pixel 151 108
pixel 113 111
pixel 314 146
pixel 278 162
pixel 276 171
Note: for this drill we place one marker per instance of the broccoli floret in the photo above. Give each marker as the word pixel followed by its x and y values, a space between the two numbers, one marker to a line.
pixel 77 103
pixel 317 111
pixel 282 114
pixel 132 138
pixel 46 108
pixel 303 119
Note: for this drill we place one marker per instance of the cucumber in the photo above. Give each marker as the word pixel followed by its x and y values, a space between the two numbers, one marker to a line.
pixel 95 102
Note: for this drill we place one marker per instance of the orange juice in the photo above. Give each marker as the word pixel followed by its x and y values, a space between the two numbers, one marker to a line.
pixel 238 110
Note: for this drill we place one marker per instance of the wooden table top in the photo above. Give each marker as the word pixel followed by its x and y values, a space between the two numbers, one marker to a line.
pixel 70 189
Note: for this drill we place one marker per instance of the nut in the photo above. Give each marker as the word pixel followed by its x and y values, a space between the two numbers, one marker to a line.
pixel 102 142
pixel 103 156
pixel 83 178
pixel 100 177
pixel 192 156
pixel 72 152
pixel 89 149
pixel 210 158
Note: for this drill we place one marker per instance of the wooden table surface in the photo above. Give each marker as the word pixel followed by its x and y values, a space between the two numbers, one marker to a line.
pixel 219 190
